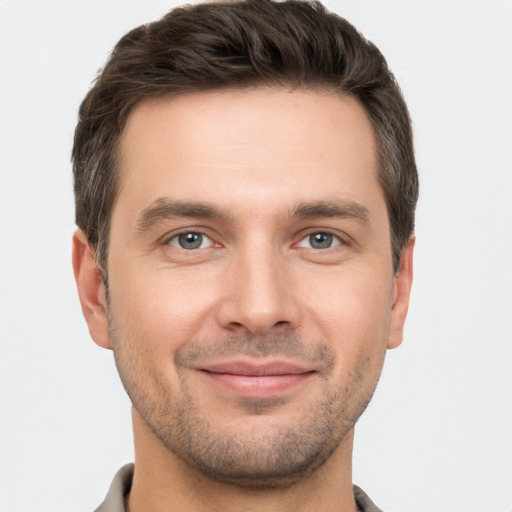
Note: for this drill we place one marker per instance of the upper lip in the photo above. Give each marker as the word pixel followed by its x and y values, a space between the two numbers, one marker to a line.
pixel 256 368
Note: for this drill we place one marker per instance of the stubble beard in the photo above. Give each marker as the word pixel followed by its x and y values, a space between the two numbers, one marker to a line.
pixel 254 458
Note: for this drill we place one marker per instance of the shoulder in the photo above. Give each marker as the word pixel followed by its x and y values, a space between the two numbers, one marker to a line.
pixel 364 503
pixel 120 487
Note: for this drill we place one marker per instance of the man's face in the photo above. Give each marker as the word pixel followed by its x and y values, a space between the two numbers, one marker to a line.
pixel 251 290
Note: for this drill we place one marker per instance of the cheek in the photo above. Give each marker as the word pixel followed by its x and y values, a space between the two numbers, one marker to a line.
pixel 354 319
pixel 352 311
pixel 161 309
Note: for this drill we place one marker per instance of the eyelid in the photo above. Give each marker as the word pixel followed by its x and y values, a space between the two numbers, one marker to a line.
pixel 342 240
pixel 167 238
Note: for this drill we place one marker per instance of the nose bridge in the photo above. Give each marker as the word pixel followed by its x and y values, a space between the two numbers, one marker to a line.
pixel 258 297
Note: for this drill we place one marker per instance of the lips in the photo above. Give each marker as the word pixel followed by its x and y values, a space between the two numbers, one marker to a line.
pixel 256 380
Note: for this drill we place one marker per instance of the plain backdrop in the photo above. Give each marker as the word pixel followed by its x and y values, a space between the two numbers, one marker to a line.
pixel 438 434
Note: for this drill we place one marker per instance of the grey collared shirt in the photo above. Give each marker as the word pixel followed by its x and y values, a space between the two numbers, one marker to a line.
pixel 120 487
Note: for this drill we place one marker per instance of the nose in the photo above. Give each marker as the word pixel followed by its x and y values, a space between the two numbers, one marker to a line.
pixel 259 295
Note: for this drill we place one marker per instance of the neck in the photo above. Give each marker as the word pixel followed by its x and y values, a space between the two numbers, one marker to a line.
pixel 163 481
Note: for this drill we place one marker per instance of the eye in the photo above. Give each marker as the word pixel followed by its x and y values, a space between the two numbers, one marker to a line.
pixel 320 240
pixel 190 240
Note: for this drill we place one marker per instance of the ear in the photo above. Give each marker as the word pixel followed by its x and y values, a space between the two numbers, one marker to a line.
pixel 401 294
pixel 91 290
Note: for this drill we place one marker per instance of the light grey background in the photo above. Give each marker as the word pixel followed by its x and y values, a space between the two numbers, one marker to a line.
pixel 438 435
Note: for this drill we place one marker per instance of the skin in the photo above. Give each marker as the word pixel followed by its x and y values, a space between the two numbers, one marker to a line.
pixel 257 173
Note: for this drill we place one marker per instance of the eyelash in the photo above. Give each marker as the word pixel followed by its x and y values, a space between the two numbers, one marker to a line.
pixel 189 232
pixel 335 239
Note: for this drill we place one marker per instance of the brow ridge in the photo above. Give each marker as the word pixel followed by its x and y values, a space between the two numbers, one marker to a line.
pixel 335 209
pixel 165 208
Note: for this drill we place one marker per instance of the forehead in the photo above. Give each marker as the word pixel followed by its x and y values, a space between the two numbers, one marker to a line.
pixel 234 145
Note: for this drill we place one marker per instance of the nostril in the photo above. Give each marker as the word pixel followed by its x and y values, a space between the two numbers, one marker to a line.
pixel 236 325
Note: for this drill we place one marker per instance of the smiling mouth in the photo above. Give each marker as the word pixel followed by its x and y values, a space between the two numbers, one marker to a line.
pixel 249 380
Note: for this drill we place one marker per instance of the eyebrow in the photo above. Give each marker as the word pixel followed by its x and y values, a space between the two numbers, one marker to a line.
pixel 165 208
pixel 331 209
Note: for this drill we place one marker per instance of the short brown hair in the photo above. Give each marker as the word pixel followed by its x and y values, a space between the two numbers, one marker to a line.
pixel 238 45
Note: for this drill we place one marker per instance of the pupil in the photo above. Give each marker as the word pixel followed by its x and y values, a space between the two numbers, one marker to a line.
pixel 320 240
pixel 190 240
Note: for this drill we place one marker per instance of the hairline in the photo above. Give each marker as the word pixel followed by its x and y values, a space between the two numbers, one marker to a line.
pixel 116 156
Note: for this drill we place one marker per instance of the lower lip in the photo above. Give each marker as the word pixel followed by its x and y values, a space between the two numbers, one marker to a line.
pixel 257 386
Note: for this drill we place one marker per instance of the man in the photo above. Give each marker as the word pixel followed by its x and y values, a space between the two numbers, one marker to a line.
pixel 245 191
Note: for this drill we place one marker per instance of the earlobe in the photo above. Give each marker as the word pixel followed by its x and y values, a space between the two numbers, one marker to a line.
pixel 401 294
pixel 91 290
